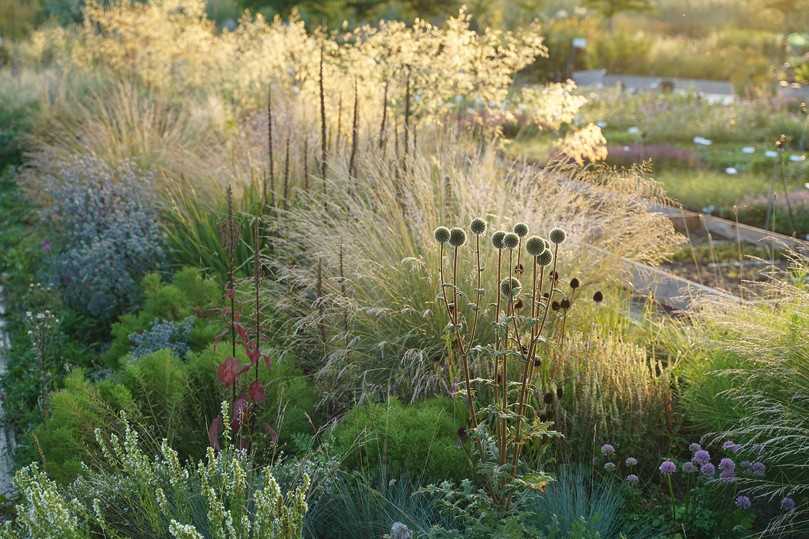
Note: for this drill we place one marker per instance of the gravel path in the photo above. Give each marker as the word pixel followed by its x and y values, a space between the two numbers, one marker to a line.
pixel 6 438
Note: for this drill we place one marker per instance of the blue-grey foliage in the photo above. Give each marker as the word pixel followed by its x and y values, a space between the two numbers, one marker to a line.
pixel 107 232
pixel 163 334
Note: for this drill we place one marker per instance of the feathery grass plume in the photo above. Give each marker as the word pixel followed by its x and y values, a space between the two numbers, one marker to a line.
pixel 390 257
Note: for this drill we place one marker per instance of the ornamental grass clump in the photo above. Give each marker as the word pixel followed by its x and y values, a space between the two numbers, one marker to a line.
pixel 526 322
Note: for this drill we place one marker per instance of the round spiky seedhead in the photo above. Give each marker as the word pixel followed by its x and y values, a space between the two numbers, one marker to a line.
pixel 511 240
pixel 535 246
pixel 497 239
pixel 510 287
pixel 521 229
pixel 545 258
pixel 441 234
pixel 574 283
pixel 478 226
pixel 557 235
pixel 457 237
pixel 565 303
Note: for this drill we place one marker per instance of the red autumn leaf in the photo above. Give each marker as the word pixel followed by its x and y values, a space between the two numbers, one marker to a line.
pixel 229 370
pixel 252 354
pixel 257 392
pixel 267 360
pixel 214 430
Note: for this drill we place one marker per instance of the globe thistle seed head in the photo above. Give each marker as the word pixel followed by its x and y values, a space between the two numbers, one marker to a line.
pixel 510 287
pixel 478 226
pixel 631 462
pixel 535 246
pixel 497 239
pixel 632 479
pixel 521 229
pixel 607 450
pixel 598 297
pixel 511 240
pixel 545 258
pixel 457 237
pixel 557 235
pixel 565 303
pixel 574 283
pixel 441 234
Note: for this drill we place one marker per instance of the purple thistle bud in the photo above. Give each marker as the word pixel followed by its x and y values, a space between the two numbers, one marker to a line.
pixel 631 462
pixel 702 457
pixel 667 467
pixel 609 466
pixel 607 450
pixel 728 444
pixel 694 447
pixel 788 504
pixel 743 502
pixel 632 479
pixel 707 469
pixel 758 469
pixel 727 464
pixel 688 467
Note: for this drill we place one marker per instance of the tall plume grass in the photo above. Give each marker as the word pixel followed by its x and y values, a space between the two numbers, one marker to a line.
pixel 380 228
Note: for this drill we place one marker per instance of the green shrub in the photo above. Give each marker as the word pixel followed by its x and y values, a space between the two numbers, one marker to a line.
pixel 189 294
pixel 66 437
pixel 18 109
pixel 419 441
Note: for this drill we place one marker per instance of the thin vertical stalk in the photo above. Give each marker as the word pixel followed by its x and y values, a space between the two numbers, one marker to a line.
pixel 270 156
pixel 322 125
pixel 257 287
pixel 407 117
pixel 355 133
pixel 306 164
pixel 339 136
pixel 382 125
pixel 286 172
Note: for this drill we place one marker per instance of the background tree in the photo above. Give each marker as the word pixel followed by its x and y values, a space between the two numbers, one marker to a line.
pixel 610 8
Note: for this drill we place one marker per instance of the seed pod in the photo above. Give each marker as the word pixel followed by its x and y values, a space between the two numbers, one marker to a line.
pixel 457 237
pixel 565 304
pixel 518 269
pixel 548 398
pixel 598 297
pixel 497 239
pixel 574 283
pixel 510 287
pixel 555 305
pixel 511 240
pixel 478 226
pixel 441 234
pixel 557 235
pixel 535 246
pixel 521 229
pixel 518 305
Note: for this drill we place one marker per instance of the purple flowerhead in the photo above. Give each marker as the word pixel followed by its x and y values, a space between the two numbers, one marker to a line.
pixel 727 464
pixel 668 467
pixel 745 464
pixel 743 502
pixel 727 476
pixel 607 450
pixel 609 466
pixel 758 469
pixel 632 479
pixel 688 467
pixel 702 457
pixel 788 504
pixel 631 462
pixel 694 447
pixel 707 469
pixel 731 446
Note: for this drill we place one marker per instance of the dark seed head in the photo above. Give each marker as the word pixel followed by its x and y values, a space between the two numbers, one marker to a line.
pixel 537 362
pixel 574 283
pixel 559 392
pixel 565 303
pixel 511 240
pixel 535 245
pixel 497 239
pixel 518 269
pixel 462 434
pixel 441 234
pixel 518 305
pixel 457 237
pixel 555 305
pixel 548 398
pixel 557 235
pixel 510 287
pixel 521 229
pixel 598 297
pixel 478 226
